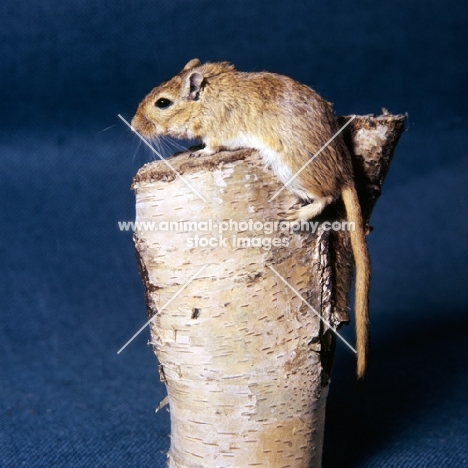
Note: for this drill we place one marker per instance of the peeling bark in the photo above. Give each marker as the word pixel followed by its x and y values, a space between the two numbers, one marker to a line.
pixel 245 361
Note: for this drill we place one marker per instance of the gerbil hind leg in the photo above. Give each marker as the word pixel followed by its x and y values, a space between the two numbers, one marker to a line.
pixel 309 211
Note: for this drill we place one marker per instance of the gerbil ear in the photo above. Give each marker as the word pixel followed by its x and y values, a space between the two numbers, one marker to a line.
pixel 192 64
pixel 193 86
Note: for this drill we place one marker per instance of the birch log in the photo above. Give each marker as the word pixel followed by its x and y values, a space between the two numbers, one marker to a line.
pixel 243 312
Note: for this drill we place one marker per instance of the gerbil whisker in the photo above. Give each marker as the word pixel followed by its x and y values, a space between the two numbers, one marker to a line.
pixel 108 128
pixel 175 144
pixel 143 139
pixel 136 150
pixel 163 148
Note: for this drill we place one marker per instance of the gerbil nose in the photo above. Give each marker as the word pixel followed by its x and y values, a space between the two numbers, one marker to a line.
pixel 140 123
pixel 136 121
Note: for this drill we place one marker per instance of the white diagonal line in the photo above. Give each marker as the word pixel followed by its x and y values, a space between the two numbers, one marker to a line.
pixel 312 158
pixel 161 309
pixel 145 141
pixel 311 308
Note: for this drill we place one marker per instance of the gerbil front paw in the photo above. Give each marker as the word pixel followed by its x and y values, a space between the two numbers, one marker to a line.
pixel 195 149
pixel 201 152
pixel 198 153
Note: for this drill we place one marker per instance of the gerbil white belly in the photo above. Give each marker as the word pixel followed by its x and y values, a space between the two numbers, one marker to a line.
pixel 275 161
pixel 271 158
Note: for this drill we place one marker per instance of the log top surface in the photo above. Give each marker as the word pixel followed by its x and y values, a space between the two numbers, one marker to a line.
pixel 183 162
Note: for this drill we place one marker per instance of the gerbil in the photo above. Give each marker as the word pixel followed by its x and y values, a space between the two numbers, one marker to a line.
pixel 287 122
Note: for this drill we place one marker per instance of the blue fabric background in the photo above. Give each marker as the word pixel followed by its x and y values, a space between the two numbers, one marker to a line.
pixel 70 295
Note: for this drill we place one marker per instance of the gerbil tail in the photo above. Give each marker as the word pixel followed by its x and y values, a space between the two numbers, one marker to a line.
pixel 361 258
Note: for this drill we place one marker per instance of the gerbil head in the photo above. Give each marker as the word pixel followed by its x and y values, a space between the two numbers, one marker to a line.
pixel 175 108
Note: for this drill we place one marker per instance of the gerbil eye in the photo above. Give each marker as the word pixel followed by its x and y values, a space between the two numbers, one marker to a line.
pixel 162 103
